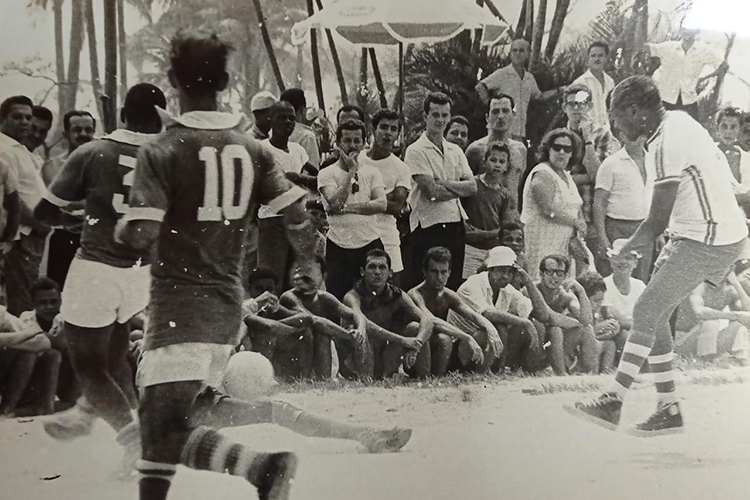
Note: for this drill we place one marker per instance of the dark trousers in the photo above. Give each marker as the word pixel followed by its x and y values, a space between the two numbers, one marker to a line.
pixel 274 250
pixel 450 236
pixel 63 246
pixel 343 266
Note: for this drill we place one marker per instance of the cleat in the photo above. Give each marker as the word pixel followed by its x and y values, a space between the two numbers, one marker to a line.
pixel 666 420
pixel 276 480
pixel 604 411
pixel 69 424
pixel 389 441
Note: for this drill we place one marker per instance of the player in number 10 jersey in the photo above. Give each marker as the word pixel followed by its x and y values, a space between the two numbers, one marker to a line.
pixel 194 193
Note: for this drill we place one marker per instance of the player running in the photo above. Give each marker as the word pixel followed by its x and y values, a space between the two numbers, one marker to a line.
pixel 193 195
pixel 693 196
pixel 108 282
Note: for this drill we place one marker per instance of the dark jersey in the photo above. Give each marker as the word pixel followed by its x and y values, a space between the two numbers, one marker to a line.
pixel 101 173
pixel 202 179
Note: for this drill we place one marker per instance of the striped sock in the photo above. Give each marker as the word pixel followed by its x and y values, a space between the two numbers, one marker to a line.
pixel 661 368
pixel 154 479
pixel 636 350
pixel 206 449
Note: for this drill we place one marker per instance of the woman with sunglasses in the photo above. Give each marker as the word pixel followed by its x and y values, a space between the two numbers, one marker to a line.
pixel 551 203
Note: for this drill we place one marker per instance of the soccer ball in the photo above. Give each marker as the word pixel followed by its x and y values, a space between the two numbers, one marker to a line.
pixel 249 376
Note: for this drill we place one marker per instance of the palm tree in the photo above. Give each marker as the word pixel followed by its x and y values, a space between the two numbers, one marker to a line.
pixel 538 35
pixel 110 65
pixel 121 41
pixel 558 21
pixel 75 47
pixel 269 45
pixel 96 84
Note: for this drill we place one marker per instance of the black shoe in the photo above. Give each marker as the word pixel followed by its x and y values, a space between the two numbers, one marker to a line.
pixel 278 476
pixel 604 411
pixel 666 420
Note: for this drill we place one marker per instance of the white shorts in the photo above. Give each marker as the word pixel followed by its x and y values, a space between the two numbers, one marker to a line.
pixel 96 295
pixel 394 252
pixel 186 362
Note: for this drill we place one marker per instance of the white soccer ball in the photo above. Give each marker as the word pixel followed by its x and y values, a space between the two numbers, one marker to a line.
pixel 249 376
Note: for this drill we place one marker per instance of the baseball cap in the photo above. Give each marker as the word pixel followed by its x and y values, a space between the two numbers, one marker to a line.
pixel 501 257
pixel 262 100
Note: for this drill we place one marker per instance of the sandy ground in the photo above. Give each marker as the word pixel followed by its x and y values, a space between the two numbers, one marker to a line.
pixel 478 442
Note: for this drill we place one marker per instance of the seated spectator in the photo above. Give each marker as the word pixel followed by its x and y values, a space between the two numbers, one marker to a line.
pixel 489 208
pixel 728 134
pixel 399 320
pixel 490 294
pixel 353 193
pixel 476 349
pixel 568 328
pixel 317 214
pixel 606 329
pixel 457 131
pixel 551 212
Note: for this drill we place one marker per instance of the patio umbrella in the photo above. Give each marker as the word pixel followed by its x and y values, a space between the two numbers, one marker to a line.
pixel 398 22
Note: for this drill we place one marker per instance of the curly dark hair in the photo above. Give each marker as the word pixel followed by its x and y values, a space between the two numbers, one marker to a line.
pixel 542 153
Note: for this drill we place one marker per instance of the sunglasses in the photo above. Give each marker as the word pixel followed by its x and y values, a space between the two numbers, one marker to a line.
pixel 555 272
pixel 355 184
pixel 577 104
pixel 561 148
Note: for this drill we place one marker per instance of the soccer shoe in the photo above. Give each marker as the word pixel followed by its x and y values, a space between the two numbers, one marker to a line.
pixel 604 411
pixel 130 439
pixel 69 424
pixel 389 441
pixel 276 480
pixel 666 420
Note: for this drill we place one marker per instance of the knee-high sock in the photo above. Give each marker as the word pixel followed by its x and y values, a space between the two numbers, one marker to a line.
pixel 661 368
pixel 154 479
pixel 636 350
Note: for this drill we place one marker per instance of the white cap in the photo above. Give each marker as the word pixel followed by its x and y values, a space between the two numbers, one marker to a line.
pixel 262 100
pixel 617 248
pixel 501 257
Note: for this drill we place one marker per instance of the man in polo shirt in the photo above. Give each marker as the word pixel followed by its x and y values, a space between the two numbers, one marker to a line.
pixel 518 83
pixel 621 201
pixel 23 259
pixel 260 107
pixel 303 134
pixel 440 178
pixel 693 196
pixel 501 115
pixel 599 83
pixel 353 194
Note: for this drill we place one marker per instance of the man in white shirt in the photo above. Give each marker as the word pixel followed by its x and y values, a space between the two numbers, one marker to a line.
pixel 260 107
pixel 397 179
pixel 440 178
pixel 353 194
pixel 728 126
pixel 303 134
pixel 693 196
pixel 23 259
pixel 598 82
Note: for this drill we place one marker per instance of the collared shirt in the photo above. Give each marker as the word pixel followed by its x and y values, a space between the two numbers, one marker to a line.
pixel 257 133
pixel 291 160
pixel 679 71
pixel 424 158
pixel 52 166
pixel 306 137
pixel 705 209
pixel 507 81
pixel 605 145
pixel 23 167
pixel 629 195
pixel 599 113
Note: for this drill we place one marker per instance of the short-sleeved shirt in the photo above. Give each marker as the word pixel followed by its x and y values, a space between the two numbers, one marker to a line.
pixel 291 160
pixel 678 74
pixel 507 81
pixel 8 185
pixel 599 113
pixel 305 137
pixel 629 195
pixel 705 209
pixel 395 174
pixel 475 156
pixel 200 178
pixel 24 169
pixel 352 230
pixel 101 172
pixel 623 304
pixel 424 158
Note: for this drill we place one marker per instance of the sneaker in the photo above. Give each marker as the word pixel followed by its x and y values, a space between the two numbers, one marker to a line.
pixel 69 424
pixel 276 480
pixel 604 411
pixel 389 441
pixel 666 420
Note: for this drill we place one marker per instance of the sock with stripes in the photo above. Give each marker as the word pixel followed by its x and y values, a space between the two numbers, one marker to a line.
pixel 661 368
pixel 154 479
pixel 206 449
pixel 635 353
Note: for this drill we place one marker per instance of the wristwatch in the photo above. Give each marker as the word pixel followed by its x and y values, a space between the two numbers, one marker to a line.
pixel 552 215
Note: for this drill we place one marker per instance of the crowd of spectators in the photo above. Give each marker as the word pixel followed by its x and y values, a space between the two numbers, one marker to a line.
pixel 481 257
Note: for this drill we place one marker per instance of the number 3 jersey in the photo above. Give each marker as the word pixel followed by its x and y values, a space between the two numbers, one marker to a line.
pixel 203 179
pixel 101 173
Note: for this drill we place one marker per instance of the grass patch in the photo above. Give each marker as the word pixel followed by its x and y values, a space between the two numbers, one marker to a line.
pixel 559 387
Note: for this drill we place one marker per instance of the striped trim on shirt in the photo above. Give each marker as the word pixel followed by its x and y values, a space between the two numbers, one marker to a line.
pixel 705 204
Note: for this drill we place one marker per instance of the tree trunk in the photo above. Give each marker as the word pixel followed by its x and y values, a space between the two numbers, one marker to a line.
pixel 640 11
pixel 362 92
pixel 110 65
pixel 712 104
pixel 336 61
pixel 558 21
pixel 122 42
pixel 59 59
pixel 529 23
pixel 269 46
pixel 316 59
pixel 521 26
pixel 378 79
pixel 76 45
pixel 536 40
pixel 96 84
